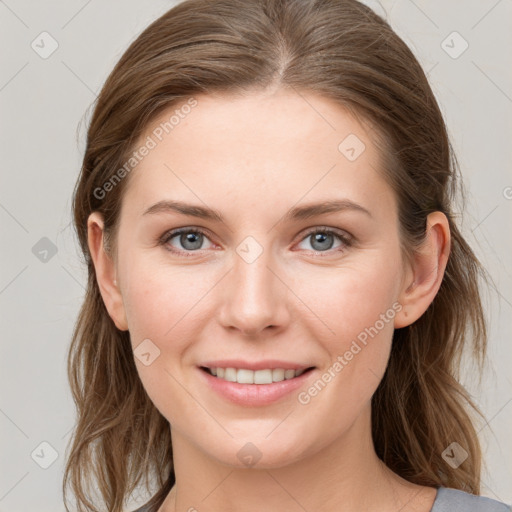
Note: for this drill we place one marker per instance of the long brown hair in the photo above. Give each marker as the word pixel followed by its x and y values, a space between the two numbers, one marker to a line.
pixel 342 50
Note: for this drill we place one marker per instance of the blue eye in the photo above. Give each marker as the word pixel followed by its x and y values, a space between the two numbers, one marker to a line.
pixel 191 240
pixel 323 239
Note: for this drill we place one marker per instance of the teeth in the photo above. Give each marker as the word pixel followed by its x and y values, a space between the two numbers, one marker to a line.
pixel 244 376
pixel 277 375
pixel 263 376
pixel 289 374
pixel 230 374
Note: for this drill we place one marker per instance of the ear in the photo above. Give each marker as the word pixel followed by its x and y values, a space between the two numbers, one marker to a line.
pixel 425 274
pixel 105 271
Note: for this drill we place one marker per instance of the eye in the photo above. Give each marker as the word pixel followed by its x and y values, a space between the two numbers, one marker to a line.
pixel 189 239
pixel 323 240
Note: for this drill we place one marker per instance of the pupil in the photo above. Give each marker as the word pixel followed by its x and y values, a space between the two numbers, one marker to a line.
pixel 191 238
pixel 321 237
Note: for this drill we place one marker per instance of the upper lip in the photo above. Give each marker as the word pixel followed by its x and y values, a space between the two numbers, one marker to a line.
pixel 255 365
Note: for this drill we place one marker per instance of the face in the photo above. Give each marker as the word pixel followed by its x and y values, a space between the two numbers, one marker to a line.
pixel 265 284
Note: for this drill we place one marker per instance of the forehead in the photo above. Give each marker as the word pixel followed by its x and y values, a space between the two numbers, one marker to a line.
pixel 276 146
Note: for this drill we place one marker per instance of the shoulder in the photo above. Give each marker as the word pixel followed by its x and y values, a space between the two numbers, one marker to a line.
pixel 453 500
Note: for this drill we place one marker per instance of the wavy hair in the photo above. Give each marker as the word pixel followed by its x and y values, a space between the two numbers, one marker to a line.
pixel 341 50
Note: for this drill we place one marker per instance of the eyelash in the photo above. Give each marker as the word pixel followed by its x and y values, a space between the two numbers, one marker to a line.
pixel 346 240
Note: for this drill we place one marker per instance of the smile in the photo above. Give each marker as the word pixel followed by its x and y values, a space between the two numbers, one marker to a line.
pixel 246 376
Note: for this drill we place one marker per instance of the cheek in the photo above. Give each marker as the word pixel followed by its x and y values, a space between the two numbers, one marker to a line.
pixel 164 306
pixel 163 303
pixel 357 306
pixel 360 310
pixel 352 298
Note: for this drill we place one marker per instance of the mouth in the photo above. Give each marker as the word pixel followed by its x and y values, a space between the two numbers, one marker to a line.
pixel 248 376
pixel 254 383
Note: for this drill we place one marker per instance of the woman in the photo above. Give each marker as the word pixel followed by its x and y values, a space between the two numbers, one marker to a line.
pixel 278 294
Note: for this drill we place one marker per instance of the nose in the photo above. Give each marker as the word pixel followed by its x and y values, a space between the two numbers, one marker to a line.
pixel 254 297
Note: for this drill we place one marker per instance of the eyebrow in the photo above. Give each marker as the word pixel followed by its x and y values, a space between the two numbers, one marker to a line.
pixel 297 213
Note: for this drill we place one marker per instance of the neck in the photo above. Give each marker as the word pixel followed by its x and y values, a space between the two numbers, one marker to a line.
pixel 342 476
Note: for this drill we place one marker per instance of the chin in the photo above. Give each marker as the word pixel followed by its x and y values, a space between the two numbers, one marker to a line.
pixel 260 452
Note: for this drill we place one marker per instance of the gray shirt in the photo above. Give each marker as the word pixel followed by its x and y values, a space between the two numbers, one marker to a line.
pixel 452 500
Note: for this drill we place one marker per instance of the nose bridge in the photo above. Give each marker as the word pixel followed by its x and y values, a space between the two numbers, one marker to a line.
pixel 254 298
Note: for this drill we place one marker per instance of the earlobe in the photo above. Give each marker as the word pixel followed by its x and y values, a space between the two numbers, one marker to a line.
pixel 427 271
pixel 105 271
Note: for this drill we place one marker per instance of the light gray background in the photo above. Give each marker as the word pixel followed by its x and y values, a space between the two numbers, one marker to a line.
pixel 42 102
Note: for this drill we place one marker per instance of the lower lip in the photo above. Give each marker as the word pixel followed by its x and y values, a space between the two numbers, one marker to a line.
pixel 253 395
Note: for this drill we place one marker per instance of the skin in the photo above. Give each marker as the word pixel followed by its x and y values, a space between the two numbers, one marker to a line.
pixel 295 302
